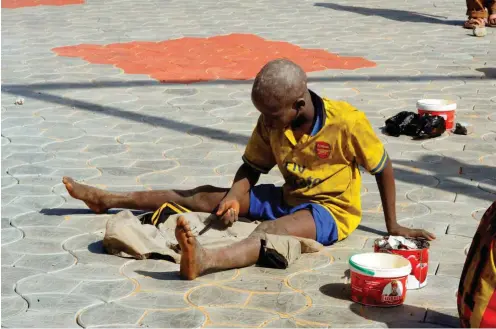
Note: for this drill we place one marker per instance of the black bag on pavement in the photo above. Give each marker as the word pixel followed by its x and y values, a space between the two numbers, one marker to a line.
pixel 414 125
pixel 431 126
pixel 403 123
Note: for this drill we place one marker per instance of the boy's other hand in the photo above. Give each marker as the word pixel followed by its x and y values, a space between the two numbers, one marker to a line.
pixel 411 232
pixel 228 211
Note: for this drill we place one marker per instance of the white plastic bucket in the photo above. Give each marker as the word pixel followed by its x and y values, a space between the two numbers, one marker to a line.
pixel 440 107
pixel 379 279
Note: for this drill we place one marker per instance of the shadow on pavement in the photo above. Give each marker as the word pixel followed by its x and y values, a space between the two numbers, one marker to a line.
pixel 451 171
pixel 342 291
pixel 371 230
pixel 392 14
pixel 97 248
pixel 167 276
pixel 20 88
pixel 79 211
pixel 213 133
pixel 489 72
pixel 65 211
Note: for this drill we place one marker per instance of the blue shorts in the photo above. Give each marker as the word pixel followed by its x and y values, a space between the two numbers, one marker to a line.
pixel 266 203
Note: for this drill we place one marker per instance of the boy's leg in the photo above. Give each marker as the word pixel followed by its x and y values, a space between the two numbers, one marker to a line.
pixel 202 199
pixel 196 260
pixel 476 12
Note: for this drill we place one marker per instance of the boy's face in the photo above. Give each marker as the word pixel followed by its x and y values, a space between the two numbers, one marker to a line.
pixel 276 116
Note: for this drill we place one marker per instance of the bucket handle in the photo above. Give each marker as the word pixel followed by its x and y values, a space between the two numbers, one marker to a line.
pixel 361 269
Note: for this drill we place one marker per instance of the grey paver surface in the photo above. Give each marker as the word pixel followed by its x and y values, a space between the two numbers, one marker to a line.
pixel 128 132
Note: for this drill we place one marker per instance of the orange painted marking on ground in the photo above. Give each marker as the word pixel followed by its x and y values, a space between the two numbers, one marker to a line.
pixel 12 4
pixel 189 60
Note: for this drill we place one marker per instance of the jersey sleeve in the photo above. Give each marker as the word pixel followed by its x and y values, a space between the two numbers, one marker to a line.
pixel 258 153
pixel 367 147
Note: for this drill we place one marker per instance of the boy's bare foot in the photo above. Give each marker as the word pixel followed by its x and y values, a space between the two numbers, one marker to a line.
pixel 92 196
pixel 472 23
pixel 192 254
pixel 491 20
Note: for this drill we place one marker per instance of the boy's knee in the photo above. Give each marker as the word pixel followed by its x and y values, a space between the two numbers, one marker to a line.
pixel 204 197
pixel 264 228
pixel 277 251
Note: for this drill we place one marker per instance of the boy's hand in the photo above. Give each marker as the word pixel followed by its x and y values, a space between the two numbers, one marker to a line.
pixel 385 182
pixel 411 232
pixel 228 211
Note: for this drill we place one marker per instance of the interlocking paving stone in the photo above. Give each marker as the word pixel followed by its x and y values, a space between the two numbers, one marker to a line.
pixel 10 235
pixel 13 305
pixel 44 319
pixel 287 303
pixel 59 302
pixel 216 296
pixel 91 272
pixel 412 324
pixel 49 233
pixel 192 318
pixel 85 223
pixel 257 284
pixel 446 317
pixel 29 190
pixel 444 294
pixel 239 316
pixel 46 283
pixel 11 275
pixel 313 280
pixel 47 263
pixel 438 229
pixel 330 314
pixel 106 290
pixel 155 301
pixel 8 181
pixel 35 219
pixel 463 230
pixel 38 202
pixel 450 269
pixel 9 258
pixel 109 314
pixel 293 323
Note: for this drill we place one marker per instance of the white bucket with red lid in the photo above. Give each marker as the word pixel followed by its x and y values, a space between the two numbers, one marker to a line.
pixel 441 107
pixel 379 279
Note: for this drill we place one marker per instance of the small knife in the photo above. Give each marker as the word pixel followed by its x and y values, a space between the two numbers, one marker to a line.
pixel 208 226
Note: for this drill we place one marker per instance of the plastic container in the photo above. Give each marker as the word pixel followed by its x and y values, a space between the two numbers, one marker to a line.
pixel 419 260
pixel 379 279
pixel 441 107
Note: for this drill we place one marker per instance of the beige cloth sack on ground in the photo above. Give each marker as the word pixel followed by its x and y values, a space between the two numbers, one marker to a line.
pixel 126 236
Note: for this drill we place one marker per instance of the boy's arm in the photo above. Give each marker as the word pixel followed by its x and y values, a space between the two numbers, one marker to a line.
pixel 246 177
pixel 385 182
pixel 258 159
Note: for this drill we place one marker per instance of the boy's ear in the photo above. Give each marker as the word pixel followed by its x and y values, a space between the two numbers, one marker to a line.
pixel 300 103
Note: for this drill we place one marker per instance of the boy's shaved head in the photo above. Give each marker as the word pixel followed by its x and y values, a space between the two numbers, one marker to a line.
pixel 279 83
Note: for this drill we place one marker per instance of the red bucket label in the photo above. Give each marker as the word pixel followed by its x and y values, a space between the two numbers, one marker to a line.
pixel 374 291
pixel 419 259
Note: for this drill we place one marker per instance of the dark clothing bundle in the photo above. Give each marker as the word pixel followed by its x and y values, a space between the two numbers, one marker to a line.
pixel 412 124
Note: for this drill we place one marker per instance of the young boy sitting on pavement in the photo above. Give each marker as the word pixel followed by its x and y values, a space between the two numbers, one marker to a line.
pixel 317 144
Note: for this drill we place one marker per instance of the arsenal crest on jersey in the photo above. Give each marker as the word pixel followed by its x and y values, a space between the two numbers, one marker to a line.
pixel 322 149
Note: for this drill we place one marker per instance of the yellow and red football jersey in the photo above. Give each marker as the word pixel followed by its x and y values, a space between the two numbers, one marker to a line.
pixel 322 168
